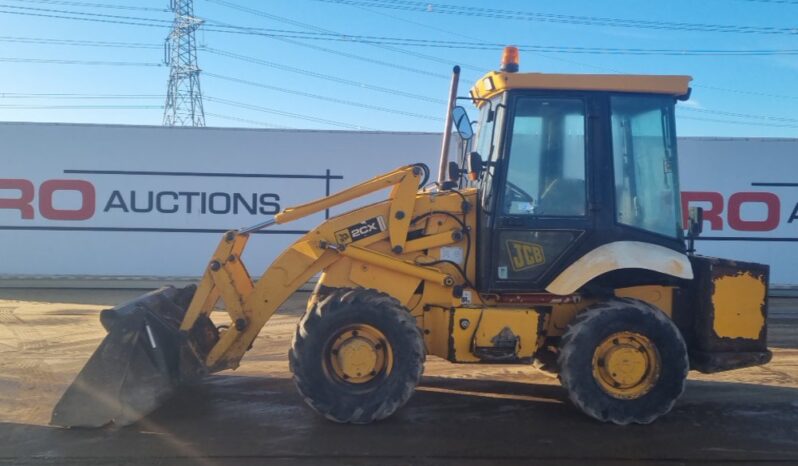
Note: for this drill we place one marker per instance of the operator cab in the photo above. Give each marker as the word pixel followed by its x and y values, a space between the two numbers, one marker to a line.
pixel 567 163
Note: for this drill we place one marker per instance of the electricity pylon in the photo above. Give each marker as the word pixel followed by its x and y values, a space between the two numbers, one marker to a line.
pixel 184 96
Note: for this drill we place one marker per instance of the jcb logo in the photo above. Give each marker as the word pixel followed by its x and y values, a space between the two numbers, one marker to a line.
pixel 343 237
pixel 524 255
pixel 362 230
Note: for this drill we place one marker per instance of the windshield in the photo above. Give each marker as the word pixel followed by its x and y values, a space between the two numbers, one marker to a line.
pixel 491 116
pixel 485 130
pixel 644 159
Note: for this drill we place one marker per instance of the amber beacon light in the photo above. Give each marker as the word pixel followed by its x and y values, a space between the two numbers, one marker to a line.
pixel 510 59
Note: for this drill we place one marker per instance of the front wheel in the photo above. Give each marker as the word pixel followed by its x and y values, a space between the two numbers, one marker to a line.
pixel 357 356
pixel 624 362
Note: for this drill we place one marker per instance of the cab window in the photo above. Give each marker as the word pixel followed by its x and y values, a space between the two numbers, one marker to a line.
pixel 546 170
pixel 644 159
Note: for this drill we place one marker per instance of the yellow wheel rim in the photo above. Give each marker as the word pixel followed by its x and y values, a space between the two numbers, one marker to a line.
pixel 626 365
pixel 359 354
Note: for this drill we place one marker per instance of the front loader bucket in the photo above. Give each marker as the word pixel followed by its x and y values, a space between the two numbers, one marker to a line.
pixel 137 366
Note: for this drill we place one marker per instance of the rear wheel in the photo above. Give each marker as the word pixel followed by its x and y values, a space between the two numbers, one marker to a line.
pixel 357 355
pixel 623 361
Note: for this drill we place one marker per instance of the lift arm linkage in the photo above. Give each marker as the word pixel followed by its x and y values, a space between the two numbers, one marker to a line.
pixel 250 305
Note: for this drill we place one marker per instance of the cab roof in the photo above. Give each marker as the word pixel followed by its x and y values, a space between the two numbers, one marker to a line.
pixel 496 82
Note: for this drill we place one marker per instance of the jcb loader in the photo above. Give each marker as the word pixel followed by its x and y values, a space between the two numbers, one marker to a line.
pixel 557 239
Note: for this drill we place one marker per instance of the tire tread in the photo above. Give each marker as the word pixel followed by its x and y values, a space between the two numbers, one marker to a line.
pixel 334 302
pixel 585 323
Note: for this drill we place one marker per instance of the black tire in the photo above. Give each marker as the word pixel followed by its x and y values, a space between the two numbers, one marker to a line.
pixel 594 326
pixel 333 397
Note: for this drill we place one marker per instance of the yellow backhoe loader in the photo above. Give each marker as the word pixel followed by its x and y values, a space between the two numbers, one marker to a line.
pixel 556 238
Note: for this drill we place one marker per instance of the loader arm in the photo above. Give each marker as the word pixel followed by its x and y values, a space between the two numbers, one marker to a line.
pixel 250 305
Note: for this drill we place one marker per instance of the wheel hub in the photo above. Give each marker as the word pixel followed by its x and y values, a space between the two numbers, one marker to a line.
pixel 359 354
pixel 626 365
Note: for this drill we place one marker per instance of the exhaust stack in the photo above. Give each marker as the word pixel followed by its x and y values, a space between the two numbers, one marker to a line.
pixel 447 130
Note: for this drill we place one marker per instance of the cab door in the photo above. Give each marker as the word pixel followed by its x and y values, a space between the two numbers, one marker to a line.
pixel 541 212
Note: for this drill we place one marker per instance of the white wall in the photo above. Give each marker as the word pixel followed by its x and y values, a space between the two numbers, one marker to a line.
pixel 114 240
pixel 743 174
pixel 154 243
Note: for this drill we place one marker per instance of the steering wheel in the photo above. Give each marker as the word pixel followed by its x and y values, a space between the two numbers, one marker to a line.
pixel 516 193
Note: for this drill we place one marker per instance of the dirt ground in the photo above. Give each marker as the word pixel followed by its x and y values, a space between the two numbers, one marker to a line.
pixel 466 414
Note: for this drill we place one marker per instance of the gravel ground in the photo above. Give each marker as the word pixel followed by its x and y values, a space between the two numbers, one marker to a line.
pixel 462 414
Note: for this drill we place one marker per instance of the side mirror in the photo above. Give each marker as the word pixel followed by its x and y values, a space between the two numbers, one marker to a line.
pixel 696 219
pixel 462 123
pixel 475 165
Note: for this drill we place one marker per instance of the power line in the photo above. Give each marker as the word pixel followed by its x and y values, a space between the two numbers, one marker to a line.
pixel 83 62
pixel 348 82
pixel 746 92
pixel 78 43
pixel 442 8
pixel 92 20
pixel 359 84
pixel 740 115
pixel 458 34
pixel 730 122
pixel 277 33
pixel 42 11
pixel 324 98
pixel 436 43
pixel 579 63
pixel 259 108
pixel 95 5
pixel 284 20
pixel 81 107
pixel 783 2
pixel 427 26
pixel 409 42
pixel 245 120
pixel 358 57
pixel 78 96
pixel 253 60
pixel 147 22
pixel 604 68
pixel 16 95
pixel 304 36
pixel 76 62
pixel 137 21
pixel 363 58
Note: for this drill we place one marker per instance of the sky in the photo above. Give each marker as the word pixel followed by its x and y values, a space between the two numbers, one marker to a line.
pixel 304 63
